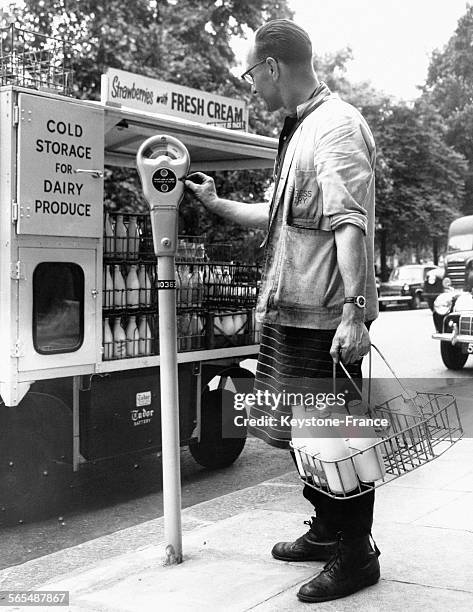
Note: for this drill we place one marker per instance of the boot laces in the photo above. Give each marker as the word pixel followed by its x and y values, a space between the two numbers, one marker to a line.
pixel 301 540
pixel 309 523
pixel 334 561
pixel 337 560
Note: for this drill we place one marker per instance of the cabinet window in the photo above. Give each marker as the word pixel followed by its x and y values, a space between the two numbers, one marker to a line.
pixel 58 307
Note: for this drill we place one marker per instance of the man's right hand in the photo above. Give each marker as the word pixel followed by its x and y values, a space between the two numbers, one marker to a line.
pixel 203 188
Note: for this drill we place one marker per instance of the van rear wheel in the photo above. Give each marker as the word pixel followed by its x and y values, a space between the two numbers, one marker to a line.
pixel 216 449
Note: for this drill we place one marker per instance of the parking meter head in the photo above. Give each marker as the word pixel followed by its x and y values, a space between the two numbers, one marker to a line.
pixel 163 162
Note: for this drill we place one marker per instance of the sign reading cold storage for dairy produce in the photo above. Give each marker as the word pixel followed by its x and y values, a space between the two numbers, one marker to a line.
pixel 153 96
pixel 60 145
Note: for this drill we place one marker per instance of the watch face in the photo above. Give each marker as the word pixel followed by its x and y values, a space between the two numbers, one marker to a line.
pixel 360 301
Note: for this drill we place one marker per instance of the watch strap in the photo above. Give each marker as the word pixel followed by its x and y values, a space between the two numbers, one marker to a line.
pixel 358 300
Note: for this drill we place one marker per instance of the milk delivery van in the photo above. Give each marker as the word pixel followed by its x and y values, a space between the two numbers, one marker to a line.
pixel 79 350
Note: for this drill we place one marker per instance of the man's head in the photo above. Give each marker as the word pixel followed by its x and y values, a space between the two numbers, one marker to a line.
pixel 285 40
pixel 279 59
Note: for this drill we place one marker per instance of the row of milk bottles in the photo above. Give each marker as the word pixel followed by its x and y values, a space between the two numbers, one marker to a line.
pixel 220 282
pixel 190 330
pixel 132 290
pixel 121 240
pixel 230 324
pixel 189 286
pixel 234 324
pixel 190 280
pixel 133 340
pixel 339 460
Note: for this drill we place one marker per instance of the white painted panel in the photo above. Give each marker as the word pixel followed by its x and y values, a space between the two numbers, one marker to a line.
pixel 57 141
pixel 31 359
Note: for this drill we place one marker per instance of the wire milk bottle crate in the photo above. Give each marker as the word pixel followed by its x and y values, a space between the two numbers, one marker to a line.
pixel 417 428
pixel 36 61
pixel 215 298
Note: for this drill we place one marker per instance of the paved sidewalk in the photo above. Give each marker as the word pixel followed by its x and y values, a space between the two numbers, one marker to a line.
pixel 423 526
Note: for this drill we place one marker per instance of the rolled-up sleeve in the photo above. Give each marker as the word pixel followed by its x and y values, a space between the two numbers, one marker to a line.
pixel 344 165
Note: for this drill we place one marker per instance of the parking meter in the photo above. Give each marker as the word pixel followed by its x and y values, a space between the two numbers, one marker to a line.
pixel 163 163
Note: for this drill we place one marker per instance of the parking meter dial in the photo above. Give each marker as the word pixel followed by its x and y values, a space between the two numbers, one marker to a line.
pixel 164 180
pixel 163 163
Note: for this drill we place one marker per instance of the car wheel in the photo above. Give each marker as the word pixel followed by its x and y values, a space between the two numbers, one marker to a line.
pixel 416 302
pixel 452 356
pixel 215 450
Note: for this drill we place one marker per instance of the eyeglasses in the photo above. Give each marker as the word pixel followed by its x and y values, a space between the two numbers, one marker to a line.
pixel 247 76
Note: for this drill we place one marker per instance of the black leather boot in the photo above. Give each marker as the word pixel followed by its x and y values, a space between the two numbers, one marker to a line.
pixel 353 567
pixel 315 545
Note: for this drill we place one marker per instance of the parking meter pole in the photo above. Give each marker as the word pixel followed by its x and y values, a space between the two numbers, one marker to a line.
pixel 163 161
pixel 170 414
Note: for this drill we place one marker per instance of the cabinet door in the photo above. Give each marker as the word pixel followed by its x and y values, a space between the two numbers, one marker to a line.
pixel 60 145
pixel 57 308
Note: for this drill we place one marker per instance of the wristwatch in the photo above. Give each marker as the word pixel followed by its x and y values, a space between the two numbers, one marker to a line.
pixel 358 300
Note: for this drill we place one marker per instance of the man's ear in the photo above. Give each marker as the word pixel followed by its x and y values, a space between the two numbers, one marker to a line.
pixel 274 67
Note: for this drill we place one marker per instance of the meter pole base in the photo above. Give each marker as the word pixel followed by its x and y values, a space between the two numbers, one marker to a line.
pixel 170 414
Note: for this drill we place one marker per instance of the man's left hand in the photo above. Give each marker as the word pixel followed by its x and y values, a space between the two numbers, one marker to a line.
pixel 351 342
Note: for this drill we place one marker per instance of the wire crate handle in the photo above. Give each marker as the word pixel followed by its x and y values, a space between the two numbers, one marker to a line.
pixel 407 395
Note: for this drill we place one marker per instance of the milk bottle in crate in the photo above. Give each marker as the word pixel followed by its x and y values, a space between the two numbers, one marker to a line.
pixel 119 340
pixel 325 450
pixel 144 334
pixel 144 282
pixel 369 463
pixel 133 239
pixel 132 288
pixel 120 237
pixel 132 337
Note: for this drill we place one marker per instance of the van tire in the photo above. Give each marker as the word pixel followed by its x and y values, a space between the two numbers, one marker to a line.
pixel 215 451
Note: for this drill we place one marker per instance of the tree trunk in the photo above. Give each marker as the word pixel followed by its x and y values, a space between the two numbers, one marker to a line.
pixel 383 255
pixel 435 251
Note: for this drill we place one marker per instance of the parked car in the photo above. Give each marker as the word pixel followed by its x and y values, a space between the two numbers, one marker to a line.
pixel 405 285
pixel 433 285
pixel 459 257
pixel 453 320
pixel 453 309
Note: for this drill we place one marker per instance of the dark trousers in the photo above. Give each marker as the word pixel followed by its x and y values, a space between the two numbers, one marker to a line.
pixel 352 517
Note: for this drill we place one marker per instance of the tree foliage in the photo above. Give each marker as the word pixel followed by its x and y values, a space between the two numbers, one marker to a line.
pixel 180 41
pixel 420 177
pixel 424 183
pixel 449 87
